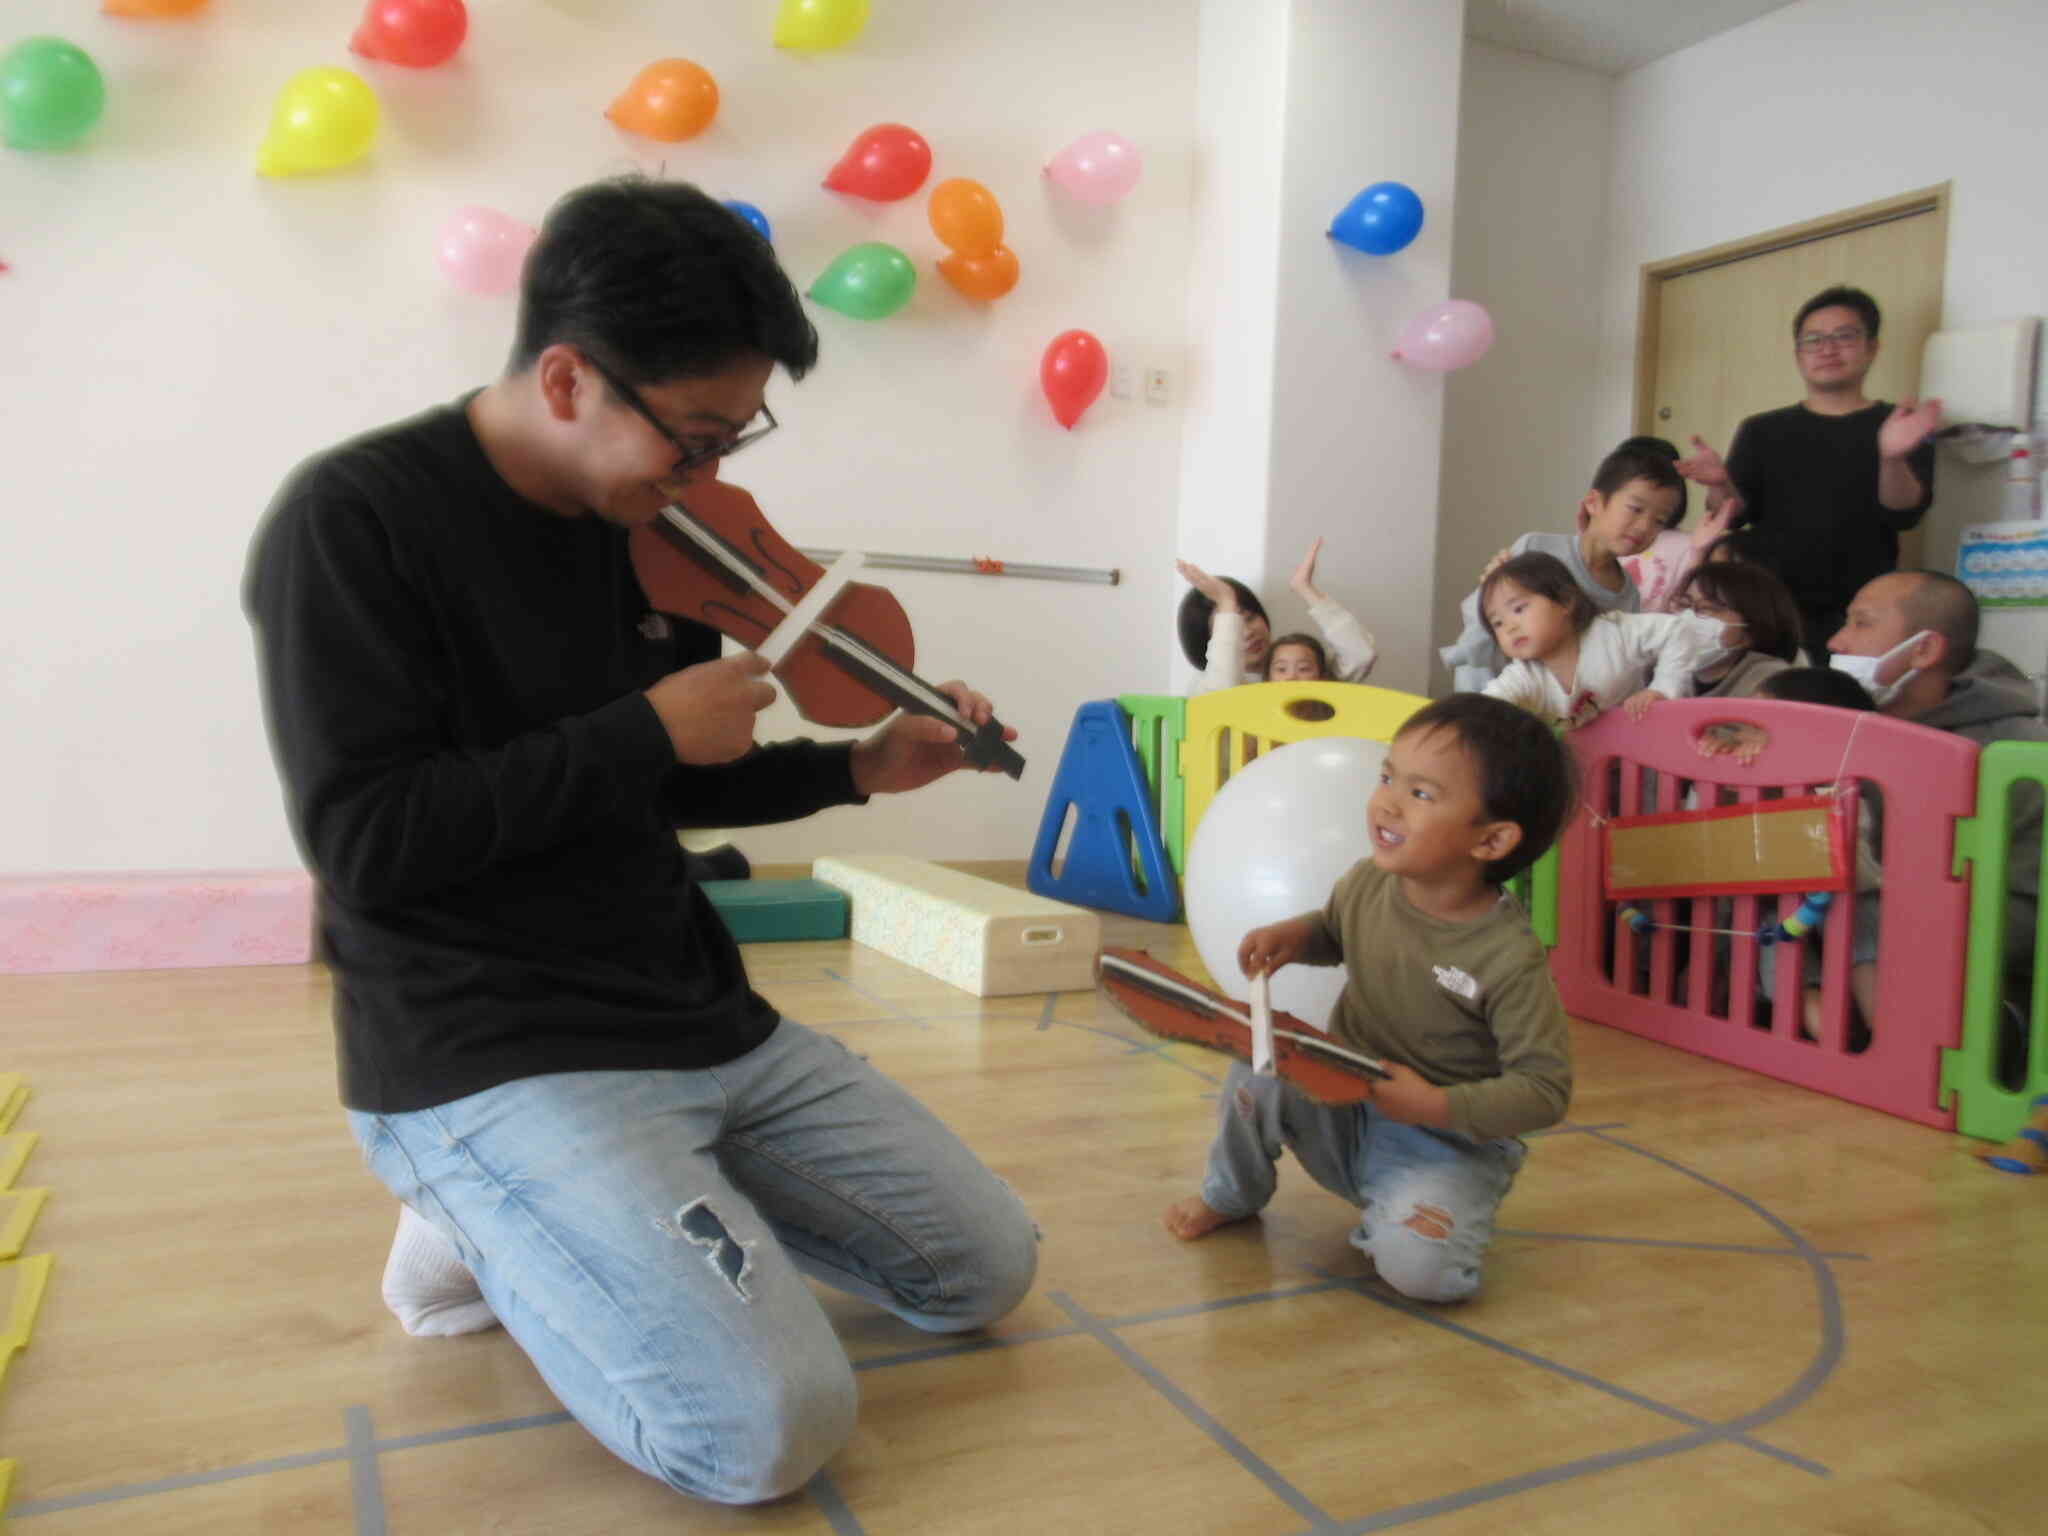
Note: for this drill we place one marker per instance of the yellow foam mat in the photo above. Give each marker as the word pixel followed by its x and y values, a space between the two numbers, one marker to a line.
pixel 18 1211
pixel 13 1094
pixel 22 1283
pixel 15 1147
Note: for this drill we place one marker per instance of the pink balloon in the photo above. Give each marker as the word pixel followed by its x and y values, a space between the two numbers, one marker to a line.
pixel 1097 167
pixel 1072 374
pixel 1446 336
pixel 482 250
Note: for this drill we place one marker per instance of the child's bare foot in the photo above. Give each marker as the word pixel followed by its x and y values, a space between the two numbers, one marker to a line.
pixel 1192 1218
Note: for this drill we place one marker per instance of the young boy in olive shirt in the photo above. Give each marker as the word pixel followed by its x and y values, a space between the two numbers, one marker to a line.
pixel 1446 983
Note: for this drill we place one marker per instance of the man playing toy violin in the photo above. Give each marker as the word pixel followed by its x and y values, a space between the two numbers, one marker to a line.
pixel 601 1137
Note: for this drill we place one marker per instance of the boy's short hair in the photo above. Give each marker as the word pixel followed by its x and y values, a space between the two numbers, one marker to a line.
pixel 1198 615
pixel 1640 458
pixel 1669 450
pixel 1543 576
pixel 1841 296
pixel 1817 685
pixel 1308 643
pixel 1526 774
pixel 1769 612
pixel 657 281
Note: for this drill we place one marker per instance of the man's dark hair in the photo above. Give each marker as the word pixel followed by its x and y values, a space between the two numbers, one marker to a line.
pixel 1308 643
pixel 1841 296
pixel 1939 602
pixel 1526 774
pixel 1669 450
pixel 1636 460
pixel 1769 612
pixel 1542 576
pixel 1817 685
pixel 1198 615
pixel 657 282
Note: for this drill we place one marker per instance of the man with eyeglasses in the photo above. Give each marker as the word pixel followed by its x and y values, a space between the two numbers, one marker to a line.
pixel 1830 483
pixel 600 1135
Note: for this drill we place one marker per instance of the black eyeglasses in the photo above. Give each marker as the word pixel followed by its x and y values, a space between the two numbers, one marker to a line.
pixel 688 458
pixel 1814 341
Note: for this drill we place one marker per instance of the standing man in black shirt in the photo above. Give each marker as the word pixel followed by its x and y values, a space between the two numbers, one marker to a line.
pixel 1829 484
pixel 601 1136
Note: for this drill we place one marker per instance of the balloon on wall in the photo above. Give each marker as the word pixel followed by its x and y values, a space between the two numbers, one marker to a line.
pixel 1097 167
pixel 1380 220
pixel 145 8
pixel 324 119
pixel 670 100
pixel 981 277
pixel 819 24
pixel 1271 845
pixel 416 33
pixel 1446 336
pixel 51 93
pixel 482 250
pixel 886 163
pixel 1072 374
pixel 753 216
pixel 966 217
pixel 870 281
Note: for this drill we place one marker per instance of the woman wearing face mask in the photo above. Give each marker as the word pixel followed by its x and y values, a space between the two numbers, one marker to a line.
pixel 1760 626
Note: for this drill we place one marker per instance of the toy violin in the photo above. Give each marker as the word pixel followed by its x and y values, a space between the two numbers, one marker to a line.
pixel 841 648
pixel 1164 1002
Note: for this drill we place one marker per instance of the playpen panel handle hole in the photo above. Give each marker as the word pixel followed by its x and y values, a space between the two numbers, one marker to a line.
pixel 1312 710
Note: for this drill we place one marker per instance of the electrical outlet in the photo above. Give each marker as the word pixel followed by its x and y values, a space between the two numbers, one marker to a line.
pixel 1158 386
pixel 1123 380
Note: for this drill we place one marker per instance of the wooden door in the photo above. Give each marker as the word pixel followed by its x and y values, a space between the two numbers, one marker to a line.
pixel 1716 341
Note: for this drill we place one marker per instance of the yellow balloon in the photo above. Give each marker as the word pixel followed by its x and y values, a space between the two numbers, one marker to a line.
pixel 819 23
pixel 324 118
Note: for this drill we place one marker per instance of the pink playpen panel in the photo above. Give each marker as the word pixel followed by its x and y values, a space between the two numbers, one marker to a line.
pixel 1691 981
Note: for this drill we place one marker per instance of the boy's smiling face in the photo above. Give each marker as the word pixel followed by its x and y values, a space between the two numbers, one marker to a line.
pixel 1427 818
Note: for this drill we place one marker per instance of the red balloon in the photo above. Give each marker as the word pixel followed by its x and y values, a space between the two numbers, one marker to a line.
pixel 1072 374
pixel 421 33
pixel 886 163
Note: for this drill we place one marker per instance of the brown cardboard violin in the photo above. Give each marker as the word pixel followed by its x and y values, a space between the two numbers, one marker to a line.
pixel 716 560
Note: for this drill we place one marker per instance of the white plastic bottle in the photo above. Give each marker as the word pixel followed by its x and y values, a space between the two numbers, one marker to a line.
pixel 2019 502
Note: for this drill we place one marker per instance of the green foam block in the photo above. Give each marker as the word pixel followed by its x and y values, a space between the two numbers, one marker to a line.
pixel 761 911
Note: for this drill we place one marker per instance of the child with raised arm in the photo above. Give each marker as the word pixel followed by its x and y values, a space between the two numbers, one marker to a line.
pixel 1445 983
pixel 1570 665
pixel 1636 493
pixel 1225 632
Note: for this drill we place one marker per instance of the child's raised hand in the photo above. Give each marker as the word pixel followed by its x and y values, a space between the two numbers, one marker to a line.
pixel 1304 579
pixel 1717 521
pixel 1264 950
pixel 1500 558
pixel 1703 466
pixel 1218 592
pixel 1636 705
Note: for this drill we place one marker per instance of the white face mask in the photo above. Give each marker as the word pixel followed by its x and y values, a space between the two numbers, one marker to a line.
pixel 1883 676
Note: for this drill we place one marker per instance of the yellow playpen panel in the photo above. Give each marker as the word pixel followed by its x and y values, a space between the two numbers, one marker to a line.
pixel 1228 728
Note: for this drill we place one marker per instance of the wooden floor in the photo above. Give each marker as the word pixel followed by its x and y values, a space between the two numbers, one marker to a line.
pixel 1717 1304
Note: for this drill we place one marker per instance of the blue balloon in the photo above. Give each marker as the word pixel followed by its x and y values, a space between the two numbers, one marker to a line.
pixel 1380 220
pixel 753 216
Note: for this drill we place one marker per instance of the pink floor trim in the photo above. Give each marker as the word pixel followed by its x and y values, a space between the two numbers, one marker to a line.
pixel 142 922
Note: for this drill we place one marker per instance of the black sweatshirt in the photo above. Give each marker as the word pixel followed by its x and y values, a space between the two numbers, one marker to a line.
pixel 453 681
pixel 1809 487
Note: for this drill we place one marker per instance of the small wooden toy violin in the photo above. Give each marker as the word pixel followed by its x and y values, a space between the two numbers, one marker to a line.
pixel 842 649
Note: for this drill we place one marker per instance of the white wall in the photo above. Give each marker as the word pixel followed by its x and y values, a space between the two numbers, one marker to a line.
pixel 1523 428
pixel 1824 105
pixel 179 332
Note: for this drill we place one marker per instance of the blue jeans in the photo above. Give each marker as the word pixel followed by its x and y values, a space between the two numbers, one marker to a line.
pixel 1427 1197
pixel 644 1236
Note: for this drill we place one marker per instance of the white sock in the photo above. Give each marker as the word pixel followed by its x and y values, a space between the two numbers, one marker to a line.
pixel 427 1285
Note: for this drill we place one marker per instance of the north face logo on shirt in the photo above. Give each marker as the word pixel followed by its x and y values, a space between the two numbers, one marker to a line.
pixel 1457 982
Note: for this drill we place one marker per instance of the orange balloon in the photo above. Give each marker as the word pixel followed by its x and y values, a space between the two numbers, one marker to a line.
pixel 670 100
pixel 151 7
pixel 981 277
pixel 966 218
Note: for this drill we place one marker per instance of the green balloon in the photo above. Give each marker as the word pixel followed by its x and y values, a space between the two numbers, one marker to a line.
pixel 867 281
pixel 50 93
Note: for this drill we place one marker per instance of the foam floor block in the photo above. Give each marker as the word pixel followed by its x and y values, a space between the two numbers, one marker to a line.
pixel 22 1283
pixel 18 1211
pixel 760 911
pixel 141 922
pixel 15 1147
pixel 13 1094
pixel 989 939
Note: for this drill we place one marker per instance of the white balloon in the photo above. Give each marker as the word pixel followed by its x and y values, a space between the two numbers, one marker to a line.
pixel 1272 844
